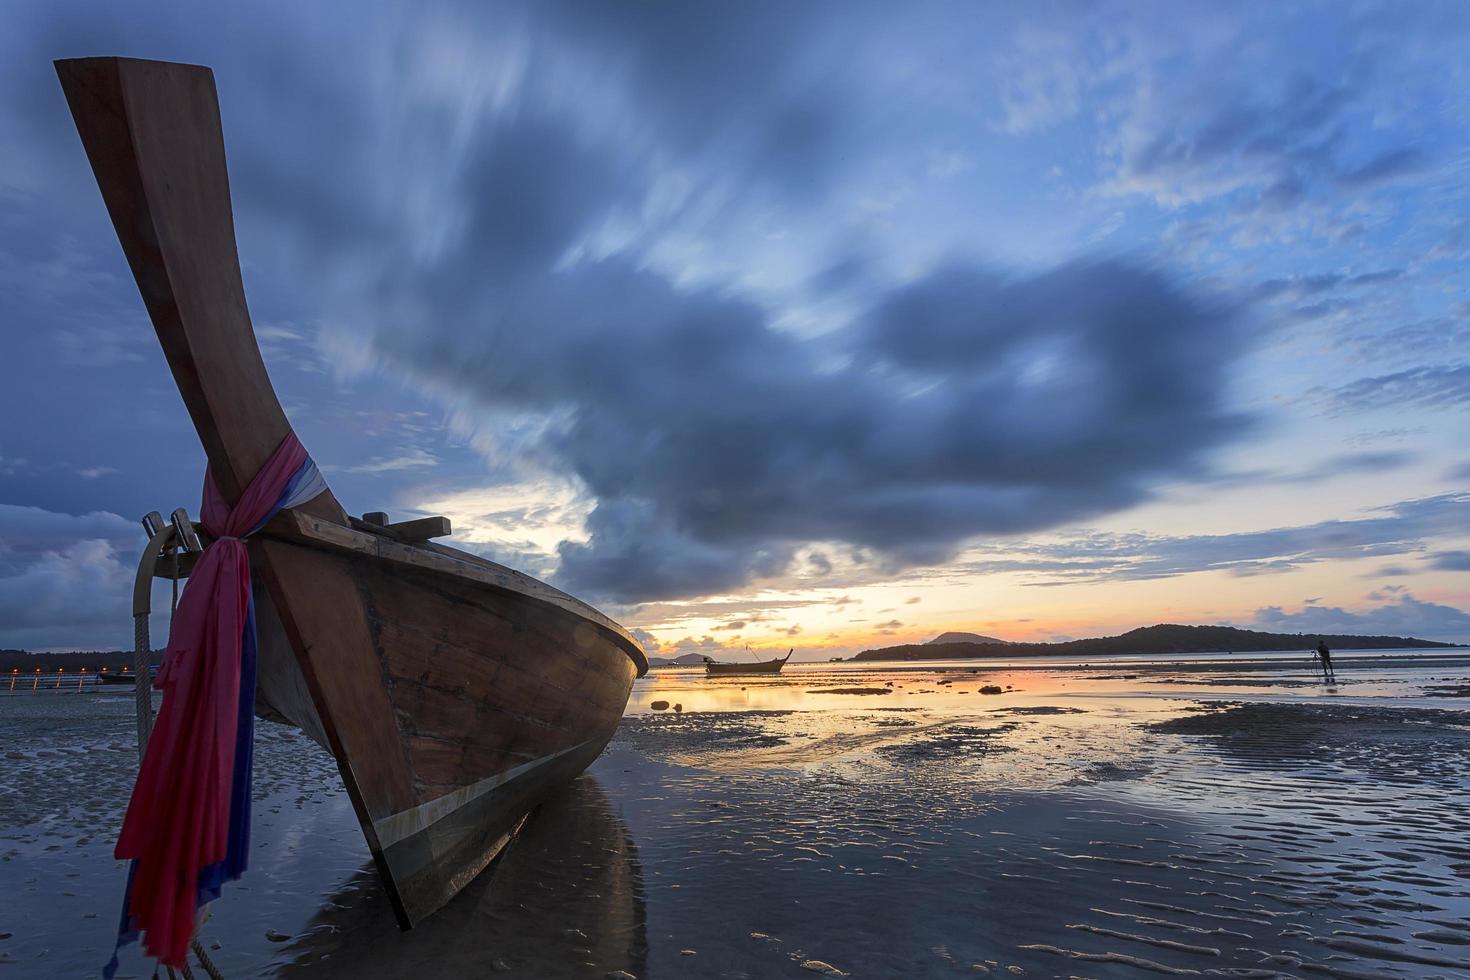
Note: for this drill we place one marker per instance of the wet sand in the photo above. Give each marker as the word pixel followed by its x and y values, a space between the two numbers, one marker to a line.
pixel 1082 823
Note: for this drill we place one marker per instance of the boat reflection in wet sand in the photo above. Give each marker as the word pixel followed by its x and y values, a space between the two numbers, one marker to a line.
pixel 574 869
pixel 759 667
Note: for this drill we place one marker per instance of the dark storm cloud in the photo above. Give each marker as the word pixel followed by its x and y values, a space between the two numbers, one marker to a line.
pixel 715 444
pixel 968 403
pixel 965 402
pixel 610 100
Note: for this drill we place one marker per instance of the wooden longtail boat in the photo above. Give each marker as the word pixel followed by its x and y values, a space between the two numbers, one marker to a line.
pixel 759 667
pixel 453 692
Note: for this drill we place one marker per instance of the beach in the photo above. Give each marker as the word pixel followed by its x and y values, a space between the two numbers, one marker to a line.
pixel 1217 816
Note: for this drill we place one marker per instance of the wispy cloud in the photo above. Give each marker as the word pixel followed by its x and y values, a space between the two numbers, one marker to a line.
pixel 1402 615
pixel 1451 561
pixel 410 459
pixel 1401 529
pixel 1436 386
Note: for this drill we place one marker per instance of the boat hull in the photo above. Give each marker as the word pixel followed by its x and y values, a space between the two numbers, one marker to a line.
pixel 763 667
pixel 498 691
pixel 475 702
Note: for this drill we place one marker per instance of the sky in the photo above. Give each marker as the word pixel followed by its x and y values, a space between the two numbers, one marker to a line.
pixel 820 325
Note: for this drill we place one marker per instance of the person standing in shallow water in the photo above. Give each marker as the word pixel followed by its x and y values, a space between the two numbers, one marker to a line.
pixel 1326 656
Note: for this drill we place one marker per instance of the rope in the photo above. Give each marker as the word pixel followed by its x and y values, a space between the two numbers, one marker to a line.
pixel 142 687
pixel 204 961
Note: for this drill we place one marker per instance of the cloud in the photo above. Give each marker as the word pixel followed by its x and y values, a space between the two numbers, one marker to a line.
pixel 1399 529
pixel 964 403
pixel 1043 78
pixel 526 234
pixel 540 217
pixel 1384 168
pixel 1204 141
pixel 717 444
pixel 66 580
pixel 945 164
pixel 1402 616
pixel 1302 287
pixel 1343 464
pixel 636 555
pixel 650 643
pixel 705 646
pixel 1372 461
pixel 410 459
pixel 1430 387
pixel 29 532
pixel 1451 561
pixel 1275 147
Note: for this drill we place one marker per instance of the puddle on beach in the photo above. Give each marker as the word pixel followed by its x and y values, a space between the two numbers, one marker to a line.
pixel 1099 822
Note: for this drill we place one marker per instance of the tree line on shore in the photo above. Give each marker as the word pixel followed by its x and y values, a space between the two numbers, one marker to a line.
pixel 26 662
pixel 1163 638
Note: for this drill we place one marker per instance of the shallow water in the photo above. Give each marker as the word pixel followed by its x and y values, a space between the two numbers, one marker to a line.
pixel 1091 821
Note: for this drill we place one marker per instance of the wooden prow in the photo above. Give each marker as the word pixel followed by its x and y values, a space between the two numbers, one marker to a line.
pixel 152 133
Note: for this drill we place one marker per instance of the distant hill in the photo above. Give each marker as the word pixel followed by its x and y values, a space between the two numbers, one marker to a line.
pixel 685 660
pixel 1164 638
pixel 963 638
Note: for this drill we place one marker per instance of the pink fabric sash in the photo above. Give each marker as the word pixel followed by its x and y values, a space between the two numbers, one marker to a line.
pixel 177 820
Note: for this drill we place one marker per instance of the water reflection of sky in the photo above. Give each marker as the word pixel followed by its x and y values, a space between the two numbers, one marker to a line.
pixel 955 686
pixel 910 833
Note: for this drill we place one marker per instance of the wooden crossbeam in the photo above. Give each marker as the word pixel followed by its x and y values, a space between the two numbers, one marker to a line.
pixel 422 529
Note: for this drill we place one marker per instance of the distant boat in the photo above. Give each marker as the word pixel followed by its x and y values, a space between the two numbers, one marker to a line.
pixel 119 678
pixel 759 667
pixel 455 693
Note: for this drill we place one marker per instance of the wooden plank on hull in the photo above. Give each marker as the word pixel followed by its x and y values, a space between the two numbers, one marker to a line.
pixel 340 662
